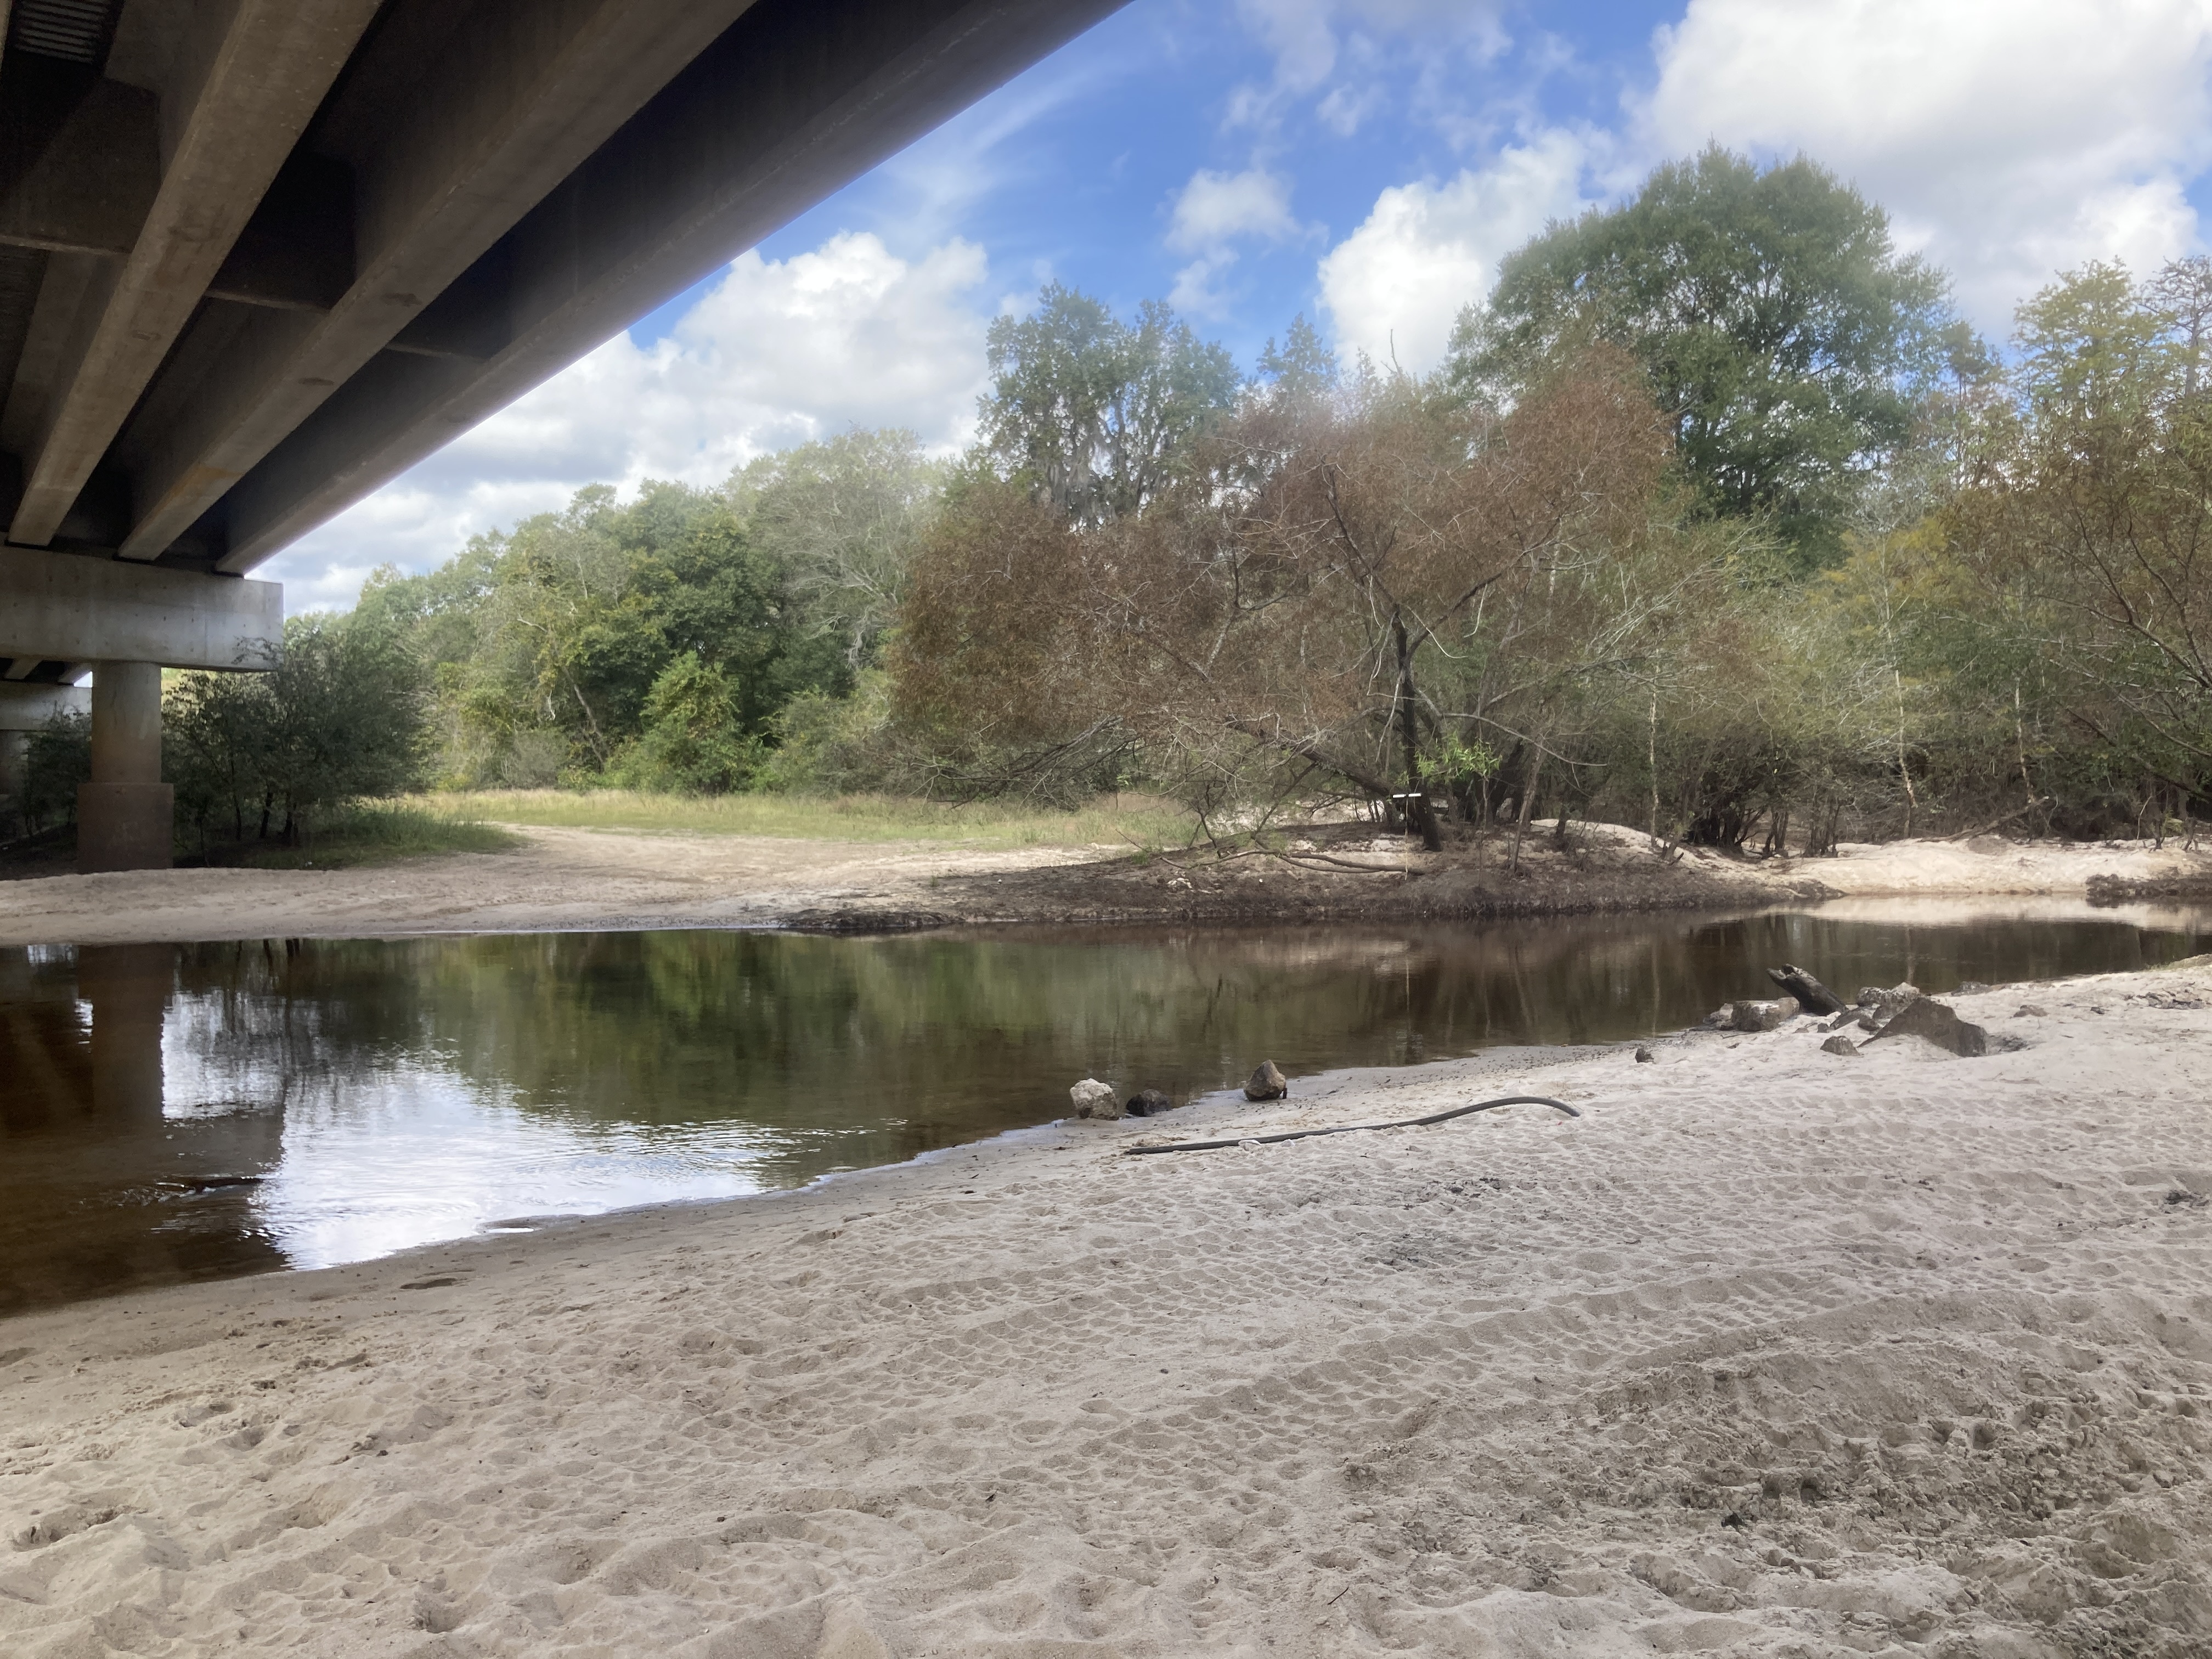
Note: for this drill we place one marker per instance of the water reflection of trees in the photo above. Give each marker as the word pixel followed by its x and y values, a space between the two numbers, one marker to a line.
pixel 799 1053
pixel 849 1051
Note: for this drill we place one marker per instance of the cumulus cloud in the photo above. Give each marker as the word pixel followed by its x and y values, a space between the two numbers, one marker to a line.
pixel 778 352
pixel 2008 143
pixel 1214 211
pixel 1394 286
pixel 1217 207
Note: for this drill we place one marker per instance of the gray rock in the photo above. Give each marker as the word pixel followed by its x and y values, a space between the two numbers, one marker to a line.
pixel 1095 1099
pixel 1147 1102
pixel 1840 1045
pixel 1761 1016
pixel 1644 1056
pixel 1266 1083
pixel 2031 1011
pixel 1925 1016
pixel 1885 1001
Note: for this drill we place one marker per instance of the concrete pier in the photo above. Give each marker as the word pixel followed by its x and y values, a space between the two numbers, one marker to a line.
pixel 126 817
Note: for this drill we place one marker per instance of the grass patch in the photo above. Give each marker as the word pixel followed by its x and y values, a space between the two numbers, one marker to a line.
pixel 383 832
pixel 1123 821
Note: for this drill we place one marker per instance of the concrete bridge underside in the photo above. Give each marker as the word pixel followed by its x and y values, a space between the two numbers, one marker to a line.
pixel 258 257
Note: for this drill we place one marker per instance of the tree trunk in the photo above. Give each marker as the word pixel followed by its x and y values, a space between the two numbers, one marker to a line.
pixel 1528 806
pixel 1651 762
pixel 1417 802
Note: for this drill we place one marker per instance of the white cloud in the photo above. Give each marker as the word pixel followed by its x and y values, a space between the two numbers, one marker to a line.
pixel 776 352
pixel 1338 48
pixel 1216 208
pixel 2008 141
pixel 1394 286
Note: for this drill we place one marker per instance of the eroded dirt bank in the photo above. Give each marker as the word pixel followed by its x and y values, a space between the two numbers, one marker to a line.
pixel 1770 1353
pixel 587 879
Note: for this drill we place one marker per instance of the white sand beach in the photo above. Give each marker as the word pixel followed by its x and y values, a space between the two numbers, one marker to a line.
pixel 1769 1352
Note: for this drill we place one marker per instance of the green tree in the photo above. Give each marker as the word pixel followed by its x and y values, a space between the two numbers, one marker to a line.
pixel 58 757
pixel 545 643
pixel 1303 369
pixel 2084 543
pixel 342 717
pixel 1096 413
pixel 695 740
pixel 840 518
pixel 1785 336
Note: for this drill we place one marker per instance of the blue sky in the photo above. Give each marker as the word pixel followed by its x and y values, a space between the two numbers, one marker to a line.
pixel 1362 162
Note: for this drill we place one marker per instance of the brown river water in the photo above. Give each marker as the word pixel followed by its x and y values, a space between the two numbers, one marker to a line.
pixel 180 1112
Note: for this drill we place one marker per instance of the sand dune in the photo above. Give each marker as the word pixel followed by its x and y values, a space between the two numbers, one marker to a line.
pixel 1772 1353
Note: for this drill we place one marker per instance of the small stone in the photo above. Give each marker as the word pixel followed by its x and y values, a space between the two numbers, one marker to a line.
pixel 1147 1102
pixel 1940 1023
pixel 2031 1011
pixel 1095 1099
pixel 1644 1056
pixel 1840 1045
pixel 1266 1083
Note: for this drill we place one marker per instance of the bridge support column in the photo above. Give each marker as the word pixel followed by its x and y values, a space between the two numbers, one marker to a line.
pixel 126 817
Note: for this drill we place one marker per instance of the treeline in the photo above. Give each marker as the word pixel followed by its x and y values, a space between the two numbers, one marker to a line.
pixel 1717 521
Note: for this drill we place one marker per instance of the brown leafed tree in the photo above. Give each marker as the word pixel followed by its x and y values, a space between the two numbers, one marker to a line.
pixel 1286 601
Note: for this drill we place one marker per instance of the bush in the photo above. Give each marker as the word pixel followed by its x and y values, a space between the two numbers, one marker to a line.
pixel 260 755
pixel 693 743
pixel 58 758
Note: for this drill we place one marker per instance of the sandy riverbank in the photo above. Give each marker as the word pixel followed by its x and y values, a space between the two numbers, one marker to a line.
pixel 597 878
pixel 1770 1353
pixel 558 879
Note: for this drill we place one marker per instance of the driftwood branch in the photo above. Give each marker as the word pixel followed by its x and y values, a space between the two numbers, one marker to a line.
pixel 1813 996
pixel 2002 819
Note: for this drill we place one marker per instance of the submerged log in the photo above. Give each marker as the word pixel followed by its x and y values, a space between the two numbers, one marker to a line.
pixel 1812 996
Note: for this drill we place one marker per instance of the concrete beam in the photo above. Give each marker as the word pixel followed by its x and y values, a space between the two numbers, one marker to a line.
pixel 469 155
pixel 275 63
pixel 791 103
pixel 28 708
pixel 79 165
pixel 70 607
